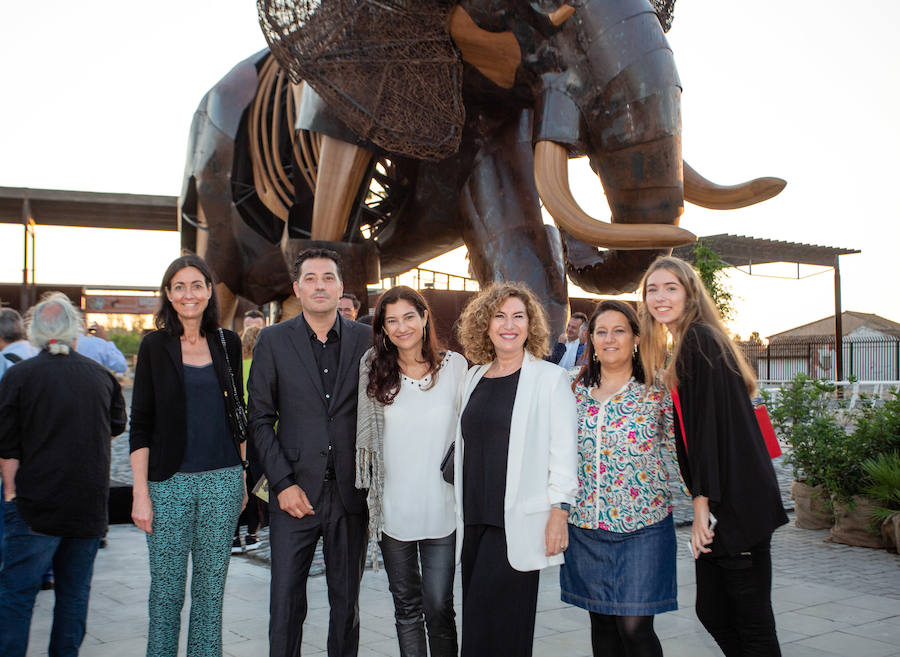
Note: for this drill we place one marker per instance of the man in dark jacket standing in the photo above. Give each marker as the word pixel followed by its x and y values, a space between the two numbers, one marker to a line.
pixel 304 377
pixel 58 412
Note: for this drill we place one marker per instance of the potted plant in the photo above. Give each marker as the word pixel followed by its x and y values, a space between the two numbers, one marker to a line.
pixel 876 432
pixel 801 418
pixel 883 475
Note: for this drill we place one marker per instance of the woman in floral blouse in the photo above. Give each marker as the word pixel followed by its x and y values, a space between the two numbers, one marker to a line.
pixel 620 564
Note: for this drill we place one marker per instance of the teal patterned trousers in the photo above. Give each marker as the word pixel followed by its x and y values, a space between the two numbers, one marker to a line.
pixel 193 514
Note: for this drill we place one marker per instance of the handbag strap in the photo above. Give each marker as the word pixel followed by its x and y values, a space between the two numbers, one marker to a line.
pixel 237 403
pixel 228 363
pixel 676 402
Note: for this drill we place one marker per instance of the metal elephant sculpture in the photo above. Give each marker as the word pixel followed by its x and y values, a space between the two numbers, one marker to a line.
pixel 395 158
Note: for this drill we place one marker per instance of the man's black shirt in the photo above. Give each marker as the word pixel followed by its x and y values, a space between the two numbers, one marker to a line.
pixel 327 355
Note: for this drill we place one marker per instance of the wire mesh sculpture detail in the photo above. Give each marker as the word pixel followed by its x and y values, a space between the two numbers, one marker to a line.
pixel 388 68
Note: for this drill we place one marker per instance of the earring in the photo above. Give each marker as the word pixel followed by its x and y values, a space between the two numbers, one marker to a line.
pixel 595 357
pixel 635 350
pixel 385 342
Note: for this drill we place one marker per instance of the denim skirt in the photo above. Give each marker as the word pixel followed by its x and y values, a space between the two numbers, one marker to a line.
pixel 630 574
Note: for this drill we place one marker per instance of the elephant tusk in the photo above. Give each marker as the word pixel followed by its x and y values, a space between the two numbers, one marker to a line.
pixel 551 176
pixel 561 15
pixel 700 191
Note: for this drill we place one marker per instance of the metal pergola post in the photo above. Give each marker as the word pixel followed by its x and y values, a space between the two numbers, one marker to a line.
pixel 838 324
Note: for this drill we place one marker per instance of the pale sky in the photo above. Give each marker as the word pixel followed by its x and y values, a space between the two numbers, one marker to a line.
pixel 99 96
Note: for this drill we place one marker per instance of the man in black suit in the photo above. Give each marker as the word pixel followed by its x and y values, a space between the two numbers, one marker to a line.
pixel 304 376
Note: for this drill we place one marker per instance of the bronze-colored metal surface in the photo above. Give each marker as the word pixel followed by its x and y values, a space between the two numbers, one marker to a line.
pixel 531 73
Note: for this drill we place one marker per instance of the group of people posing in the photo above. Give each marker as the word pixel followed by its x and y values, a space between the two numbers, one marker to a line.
pixel 507 467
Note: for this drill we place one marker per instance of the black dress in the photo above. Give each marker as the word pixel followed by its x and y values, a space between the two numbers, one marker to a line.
pixel 499 602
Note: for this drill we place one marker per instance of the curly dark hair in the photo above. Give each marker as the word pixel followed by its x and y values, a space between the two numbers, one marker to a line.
pixel 384 371
pixel 166 317
pixel 589 376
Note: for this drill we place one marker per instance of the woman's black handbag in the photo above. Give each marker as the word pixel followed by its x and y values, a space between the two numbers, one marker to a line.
pixel 447 464
pixel 237 415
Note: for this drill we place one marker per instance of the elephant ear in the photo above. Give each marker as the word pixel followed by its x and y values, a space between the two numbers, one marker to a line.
pixel 387 68
pixel 665 10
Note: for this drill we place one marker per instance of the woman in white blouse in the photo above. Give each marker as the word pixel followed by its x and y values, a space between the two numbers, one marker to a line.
pixel 405 424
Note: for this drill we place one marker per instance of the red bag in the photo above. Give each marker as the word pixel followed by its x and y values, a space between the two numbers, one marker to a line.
pixel 768 431
pixel 762 418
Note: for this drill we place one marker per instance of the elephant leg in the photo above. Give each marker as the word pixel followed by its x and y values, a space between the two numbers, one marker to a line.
pixel 228 303
pixel 502 226
pixel 342 167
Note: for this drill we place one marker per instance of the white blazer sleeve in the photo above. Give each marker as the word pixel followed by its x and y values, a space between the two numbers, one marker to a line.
pixel 563 478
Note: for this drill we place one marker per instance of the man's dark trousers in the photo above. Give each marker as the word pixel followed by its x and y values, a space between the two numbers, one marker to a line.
pixel 345 537
pixel 27 556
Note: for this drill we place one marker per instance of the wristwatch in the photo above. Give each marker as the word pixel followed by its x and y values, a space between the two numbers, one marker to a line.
pixel 565 506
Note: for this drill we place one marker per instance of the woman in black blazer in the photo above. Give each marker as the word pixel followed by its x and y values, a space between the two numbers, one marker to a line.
pixel 186 457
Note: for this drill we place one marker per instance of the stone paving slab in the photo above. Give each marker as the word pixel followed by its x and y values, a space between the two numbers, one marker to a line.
pixel 823 606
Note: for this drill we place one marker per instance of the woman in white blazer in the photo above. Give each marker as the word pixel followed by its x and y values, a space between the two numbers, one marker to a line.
pixel 515 468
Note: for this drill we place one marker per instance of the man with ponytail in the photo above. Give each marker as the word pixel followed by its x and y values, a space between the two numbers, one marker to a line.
pixel 58 412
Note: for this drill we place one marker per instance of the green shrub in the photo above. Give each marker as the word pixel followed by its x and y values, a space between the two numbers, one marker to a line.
pixel 127 343
pixel 840 455
pixel 883 477
pixel 802 418
pixel 829 441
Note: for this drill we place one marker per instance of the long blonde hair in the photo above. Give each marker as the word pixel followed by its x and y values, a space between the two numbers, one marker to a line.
pixel 699 308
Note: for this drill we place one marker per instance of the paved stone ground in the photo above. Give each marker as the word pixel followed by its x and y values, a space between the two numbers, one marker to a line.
pixel 829 600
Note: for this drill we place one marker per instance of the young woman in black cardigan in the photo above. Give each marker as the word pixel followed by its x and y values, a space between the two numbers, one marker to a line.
pixel 721 454
pixel 186 457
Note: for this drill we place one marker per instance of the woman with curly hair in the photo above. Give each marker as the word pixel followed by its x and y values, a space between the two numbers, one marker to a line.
pixel 622 518
pixel 722 456
pixel 406 420
pixel 514 468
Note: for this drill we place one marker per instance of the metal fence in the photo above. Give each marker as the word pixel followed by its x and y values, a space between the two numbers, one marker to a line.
pixel 864 358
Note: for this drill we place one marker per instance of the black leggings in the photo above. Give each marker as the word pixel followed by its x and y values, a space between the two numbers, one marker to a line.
pixel 625 636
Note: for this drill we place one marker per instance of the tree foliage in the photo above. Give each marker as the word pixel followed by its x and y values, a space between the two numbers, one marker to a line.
pixel 709 265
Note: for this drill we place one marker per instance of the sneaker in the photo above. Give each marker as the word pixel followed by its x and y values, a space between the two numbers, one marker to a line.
pixel 236 546
pixel 251 542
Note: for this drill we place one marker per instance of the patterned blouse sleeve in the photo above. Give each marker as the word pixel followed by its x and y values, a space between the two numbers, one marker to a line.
pixel 667 440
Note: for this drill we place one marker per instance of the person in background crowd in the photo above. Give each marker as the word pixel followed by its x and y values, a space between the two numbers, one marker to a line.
pixel 349 306
pixel 514 467
pixel 620 564
pixel 406 421
pixel 186 457
pixel 253 318
pixel 250 514
pixel 722 456
pixel 304 378
pixel 58 413
pixel 569 349
pixel 14 347
pixel 95 346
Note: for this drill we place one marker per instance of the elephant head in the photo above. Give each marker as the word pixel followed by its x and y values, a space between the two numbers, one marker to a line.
pixel 598 76
pixel 604 84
